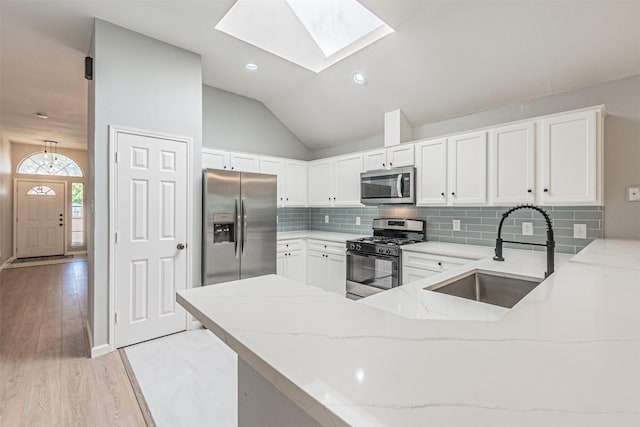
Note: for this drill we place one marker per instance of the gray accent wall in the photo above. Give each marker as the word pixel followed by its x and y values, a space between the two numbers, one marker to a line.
pixel 478 225
pixel 236 123
pixel 141 83
pixel 621 141
pixel 6 201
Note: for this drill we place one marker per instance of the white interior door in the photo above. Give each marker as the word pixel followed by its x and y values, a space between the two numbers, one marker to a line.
pixel 40 218
pixel 151 225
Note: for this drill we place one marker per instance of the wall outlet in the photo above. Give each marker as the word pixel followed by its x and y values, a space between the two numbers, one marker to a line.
pixel 579 231
pixel 527 229
pixel 633 193
pixel 456 225
pixel 326 219
pixel 357 220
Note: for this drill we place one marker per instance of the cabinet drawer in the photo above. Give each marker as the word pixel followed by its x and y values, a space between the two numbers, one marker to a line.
pixel 325 246
pixel 432 262
pixel 290 245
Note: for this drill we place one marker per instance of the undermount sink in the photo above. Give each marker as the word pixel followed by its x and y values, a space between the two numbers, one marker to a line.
pixel 489 288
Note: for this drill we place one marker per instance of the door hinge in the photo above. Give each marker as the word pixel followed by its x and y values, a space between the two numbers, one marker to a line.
pixel 116 236
pixel 115 317
pixel 116 157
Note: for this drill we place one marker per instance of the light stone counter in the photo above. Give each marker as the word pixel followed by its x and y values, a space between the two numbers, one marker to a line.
pixel 566 355
pixel 319 235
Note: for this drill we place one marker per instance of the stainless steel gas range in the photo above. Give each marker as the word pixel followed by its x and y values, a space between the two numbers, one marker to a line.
pixel 374 263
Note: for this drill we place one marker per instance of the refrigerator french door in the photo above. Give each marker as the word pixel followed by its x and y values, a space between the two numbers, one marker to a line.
pixel 239 225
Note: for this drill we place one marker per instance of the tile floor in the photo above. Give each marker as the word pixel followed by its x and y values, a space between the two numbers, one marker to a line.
pixel 188 379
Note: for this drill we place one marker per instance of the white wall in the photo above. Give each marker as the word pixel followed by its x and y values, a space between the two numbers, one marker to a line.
pixel 142 83
pixel 621 141
pixel 6 201
pixel 236 123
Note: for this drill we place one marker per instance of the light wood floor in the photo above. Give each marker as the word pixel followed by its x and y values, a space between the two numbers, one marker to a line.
pixel 46 376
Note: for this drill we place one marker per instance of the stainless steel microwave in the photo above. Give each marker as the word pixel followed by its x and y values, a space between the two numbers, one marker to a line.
pixel 388 186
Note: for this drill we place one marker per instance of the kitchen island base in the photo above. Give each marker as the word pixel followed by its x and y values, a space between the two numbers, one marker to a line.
pixel 261 404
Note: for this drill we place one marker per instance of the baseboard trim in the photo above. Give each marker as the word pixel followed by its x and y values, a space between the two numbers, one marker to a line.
pixel 4 265
pixel 99 350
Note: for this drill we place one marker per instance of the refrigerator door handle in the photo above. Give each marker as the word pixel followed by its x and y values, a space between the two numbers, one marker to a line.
pixel 236 228
pixel 244 227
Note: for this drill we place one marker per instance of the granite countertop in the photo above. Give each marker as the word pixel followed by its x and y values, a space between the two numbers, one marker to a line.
pixel 566 355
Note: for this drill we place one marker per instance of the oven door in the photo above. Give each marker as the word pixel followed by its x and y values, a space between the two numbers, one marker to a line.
pixel 387 187
pixel 370 274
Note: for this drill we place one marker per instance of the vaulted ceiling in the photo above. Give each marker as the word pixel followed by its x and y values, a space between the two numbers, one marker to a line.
pixel 445 59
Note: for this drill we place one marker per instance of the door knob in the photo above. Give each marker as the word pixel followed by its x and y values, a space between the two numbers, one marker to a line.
pixel 180 246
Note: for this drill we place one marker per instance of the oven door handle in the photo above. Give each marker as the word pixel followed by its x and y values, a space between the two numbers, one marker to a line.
pixel 390 258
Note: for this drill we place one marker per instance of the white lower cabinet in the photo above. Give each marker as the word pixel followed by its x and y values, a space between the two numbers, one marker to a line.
pixel 417 265
pixel 327 266
pixel 291 260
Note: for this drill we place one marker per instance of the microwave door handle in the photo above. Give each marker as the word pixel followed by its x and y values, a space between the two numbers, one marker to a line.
pixel 399 185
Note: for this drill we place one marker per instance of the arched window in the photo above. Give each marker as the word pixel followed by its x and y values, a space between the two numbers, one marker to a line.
pixel 41 190
pixel 36 164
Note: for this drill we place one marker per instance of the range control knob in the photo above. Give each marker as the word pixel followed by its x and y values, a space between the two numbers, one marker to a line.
pixel 358 247
pixel 352 246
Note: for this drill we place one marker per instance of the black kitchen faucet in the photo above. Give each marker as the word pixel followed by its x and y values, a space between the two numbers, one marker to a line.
pixel 551 244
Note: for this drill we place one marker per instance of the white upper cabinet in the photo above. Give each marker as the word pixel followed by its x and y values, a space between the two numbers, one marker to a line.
pixel 295 183
pixel 431 172
pixel 374 160
pixel 393 157
pixel 321 182
pixel 347 180
pixel 512 164
pixel 244 162
pixel 468 169
pixel 400 155
pixel 275 166
pixel 214 159
pixel 217 159
pixel 292 179
pixel 569 165
pixel 335 181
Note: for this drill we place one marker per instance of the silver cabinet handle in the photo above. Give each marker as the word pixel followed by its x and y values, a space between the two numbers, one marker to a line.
pixel 236 228
pixel 244 227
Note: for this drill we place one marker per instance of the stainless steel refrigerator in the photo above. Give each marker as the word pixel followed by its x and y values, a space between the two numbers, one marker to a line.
pixel 238 225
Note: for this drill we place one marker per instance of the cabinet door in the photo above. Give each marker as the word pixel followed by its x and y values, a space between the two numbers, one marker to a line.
pixel 316 269
pixel 337 274
pixel 400 155
pixel 411 274
pixel 275 166
pixel 513 164
pixel 296 266
pixel 280 264
pixel 375 160
pixel 468 169
pixel 295 187
pixel 244 162
pixel 347 180
pixel 431 172
pixel 214 159
pixel 569 165
pixel 321 183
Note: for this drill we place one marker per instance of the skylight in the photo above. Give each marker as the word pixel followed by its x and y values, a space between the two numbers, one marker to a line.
pixel 313 34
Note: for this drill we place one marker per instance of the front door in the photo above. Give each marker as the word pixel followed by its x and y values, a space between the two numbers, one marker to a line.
pixel 151 225
pixel 40 218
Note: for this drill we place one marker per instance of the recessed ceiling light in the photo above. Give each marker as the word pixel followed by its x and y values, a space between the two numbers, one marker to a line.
pixel 251 66
pixel 359 78
pixel 41 115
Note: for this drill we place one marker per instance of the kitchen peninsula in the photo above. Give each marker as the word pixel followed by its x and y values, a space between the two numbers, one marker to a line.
pixel 565 355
